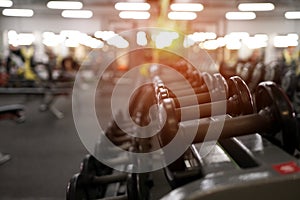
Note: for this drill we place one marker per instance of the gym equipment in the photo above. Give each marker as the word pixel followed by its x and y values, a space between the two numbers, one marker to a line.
pixel 96 179
pixel 90 165
pixel 276 175
pixel 246 72
pixel 15 112
pixel 49 95
pixel 239 102
pixel 82 186
pixel 93 187
pixel 215 83
pixel 240 154
pixel 289 82
pixel 189 73
pixel 273 72
pixel 275 114
pixel 256 77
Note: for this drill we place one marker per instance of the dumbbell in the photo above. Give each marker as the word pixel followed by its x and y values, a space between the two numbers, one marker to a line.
pixel 218 85
pixel 180 86
pixel 189 74
pixel 183 85
pixel 289 82
pixel 194 79
pixel 257 76
pixel 275 114
pixel 239 103
pixel 274 72
pixel 215 83
pixel 82 186
pixel 239 68
pixel 245 71
pixel 91 166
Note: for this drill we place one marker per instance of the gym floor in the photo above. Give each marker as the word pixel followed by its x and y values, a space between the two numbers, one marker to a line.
pixel 45 151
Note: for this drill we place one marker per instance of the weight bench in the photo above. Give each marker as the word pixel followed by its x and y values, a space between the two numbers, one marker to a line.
pixel 49 96
pixel 12 112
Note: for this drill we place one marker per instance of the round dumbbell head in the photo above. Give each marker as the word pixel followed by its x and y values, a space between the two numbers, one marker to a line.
pixel 220 86
pixel 138 186
pixel 168 119
pixel 239 68
pixel 78 188
pixel 208 80
pixel 90 165
pixel 269 96
pixel 238 89
pixel 197 78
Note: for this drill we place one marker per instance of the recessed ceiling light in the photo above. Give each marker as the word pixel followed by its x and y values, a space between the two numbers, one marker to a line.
pixel 240 15
pixel 6 3
pixel 77 14
pixel 64 5
pixel 134 15
pixel 18 12
pixel 194 7
pixel 182 15
pixel 132 6
pixel 256 6
pixel 292 15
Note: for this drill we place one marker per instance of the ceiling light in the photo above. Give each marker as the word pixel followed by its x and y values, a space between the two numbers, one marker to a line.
pixel 188 41
pixel 16 39
pixel 182 15
pixel 255 42
pixel 132 6
pixel 221 41
pixel 77 14
pixel 18 12
pixel 292 15
pixel 64 5
pixel 233 44
pixel 6 3
pixel 256 6
pixel 210 44
pixel 118 41
pixel 104 35
pixel 283 41
pixel 202 36
pixel 52 39
pixel 164 39
pixel 134 15
pixel 12 34
pixel 186 7
pixel 240 15
pixel 141 38
pixel 293 36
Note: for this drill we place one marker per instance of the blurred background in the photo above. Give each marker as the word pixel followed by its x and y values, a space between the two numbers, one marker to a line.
pixel 44 43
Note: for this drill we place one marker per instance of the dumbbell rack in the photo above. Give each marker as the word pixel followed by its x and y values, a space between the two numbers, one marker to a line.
pixel 245 167
pixel 251 159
